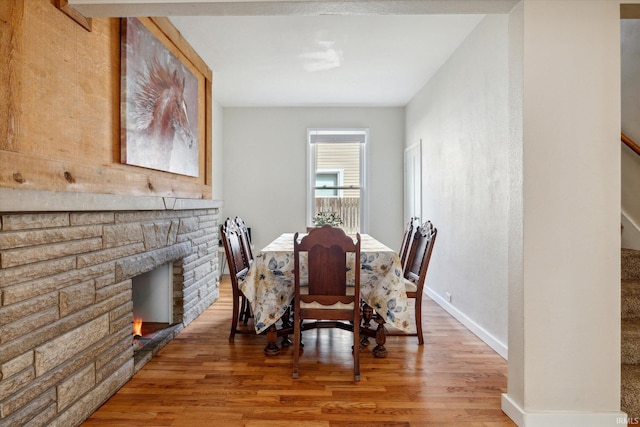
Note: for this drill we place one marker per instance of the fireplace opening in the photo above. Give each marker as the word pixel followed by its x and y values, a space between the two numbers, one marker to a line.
pixel 153 299
pixel 153 328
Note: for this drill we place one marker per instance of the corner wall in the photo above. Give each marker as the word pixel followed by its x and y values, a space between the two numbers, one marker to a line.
pixel 564 326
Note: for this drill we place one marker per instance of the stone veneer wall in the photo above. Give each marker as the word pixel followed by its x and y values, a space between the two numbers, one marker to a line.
pixel 66 306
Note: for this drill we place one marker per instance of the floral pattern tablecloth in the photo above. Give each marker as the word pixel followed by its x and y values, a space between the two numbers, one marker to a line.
pixel 269 285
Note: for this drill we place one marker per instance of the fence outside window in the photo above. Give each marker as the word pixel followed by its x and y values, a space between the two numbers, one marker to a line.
pixel 348 208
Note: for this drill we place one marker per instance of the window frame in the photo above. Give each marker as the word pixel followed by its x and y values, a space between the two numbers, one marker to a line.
pixel 339 135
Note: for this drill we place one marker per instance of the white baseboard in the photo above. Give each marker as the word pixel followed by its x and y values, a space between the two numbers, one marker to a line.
pixel 498 346
pixel 561 419
pixel 513 410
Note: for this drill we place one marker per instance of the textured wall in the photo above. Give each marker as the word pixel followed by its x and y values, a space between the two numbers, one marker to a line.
pixel 461 116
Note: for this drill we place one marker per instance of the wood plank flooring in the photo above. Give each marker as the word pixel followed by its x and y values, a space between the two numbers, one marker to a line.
pixel 200 379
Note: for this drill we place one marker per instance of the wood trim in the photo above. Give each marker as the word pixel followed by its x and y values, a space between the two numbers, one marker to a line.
pixel 629 11
pixel 208 172
pixel 630 143
pixel 22 171
pixel 70 11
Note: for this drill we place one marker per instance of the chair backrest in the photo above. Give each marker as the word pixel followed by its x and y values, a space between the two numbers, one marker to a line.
pixel 327 249
pixel 245 238
pixel 407 239
pixel 420 254
pixel 236 259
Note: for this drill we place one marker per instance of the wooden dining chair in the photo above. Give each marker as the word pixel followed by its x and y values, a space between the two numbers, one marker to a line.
pixel 415 272
pixel 327 296
pixel 407 239
pixel 245 309
pixel 246 239
pixel 238 269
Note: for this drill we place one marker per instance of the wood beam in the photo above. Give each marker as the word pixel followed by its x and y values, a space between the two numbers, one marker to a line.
pixel 63 5
pixel 122 8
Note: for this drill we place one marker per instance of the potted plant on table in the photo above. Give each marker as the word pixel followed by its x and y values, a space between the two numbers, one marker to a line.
pixel 322 218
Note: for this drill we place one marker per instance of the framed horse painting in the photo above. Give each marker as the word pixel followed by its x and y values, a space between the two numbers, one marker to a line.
pixel 159 104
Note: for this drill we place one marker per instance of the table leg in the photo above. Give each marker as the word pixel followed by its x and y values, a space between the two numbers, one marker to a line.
pixel 286 324
pixel 379 350
pixel 367 314
pixel 272 348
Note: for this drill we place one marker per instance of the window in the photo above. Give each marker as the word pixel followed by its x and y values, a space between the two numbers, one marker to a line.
pixel 336 179
pixel 327 183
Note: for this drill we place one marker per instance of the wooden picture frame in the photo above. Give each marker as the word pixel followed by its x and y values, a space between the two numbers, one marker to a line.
pixel 159 104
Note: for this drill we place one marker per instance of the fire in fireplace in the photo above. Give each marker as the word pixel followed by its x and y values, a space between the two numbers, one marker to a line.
pixel 137 327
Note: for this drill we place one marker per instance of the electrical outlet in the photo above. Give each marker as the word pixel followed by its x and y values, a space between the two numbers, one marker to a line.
pixel 448 296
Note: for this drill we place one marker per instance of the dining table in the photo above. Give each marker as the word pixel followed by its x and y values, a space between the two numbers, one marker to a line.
pixel 269 289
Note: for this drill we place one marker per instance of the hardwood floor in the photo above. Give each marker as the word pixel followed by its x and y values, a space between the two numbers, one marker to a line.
pixel 200 379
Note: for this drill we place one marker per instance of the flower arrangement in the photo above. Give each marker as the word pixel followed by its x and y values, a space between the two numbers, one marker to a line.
pixel 331 218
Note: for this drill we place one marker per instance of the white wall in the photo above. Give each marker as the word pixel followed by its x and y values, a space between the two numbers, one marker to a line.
pixel 564 340
pixel 461 115
pixel 265 167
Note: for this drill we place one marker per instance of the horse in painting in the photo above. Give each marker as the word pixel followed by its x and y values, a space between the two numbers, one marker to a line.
pixel 160 114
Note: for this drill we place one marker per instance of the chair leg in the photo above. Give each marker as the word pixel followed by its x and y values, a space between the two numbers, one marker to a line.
pixel 356 351
pixel 234 316
pixel 297 337
pixel 419 320
pixel 245 312
pixel 242 310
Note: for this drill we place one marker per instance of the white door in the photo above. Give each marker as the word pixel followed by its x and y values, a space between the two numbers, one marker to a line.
pixel 413 181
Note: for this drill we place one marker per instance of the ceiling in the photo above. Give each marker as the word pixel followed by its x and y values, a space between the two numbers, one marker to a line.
pixel 314 53
pixel 323 60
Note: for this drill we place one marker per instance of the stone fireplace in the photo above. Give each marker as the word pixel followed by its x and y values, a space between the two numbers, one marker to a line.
pixel 67 264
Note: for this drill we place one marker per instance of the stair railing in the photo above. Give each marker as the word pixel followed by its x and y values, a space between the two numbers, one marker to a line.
pixel 630 143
